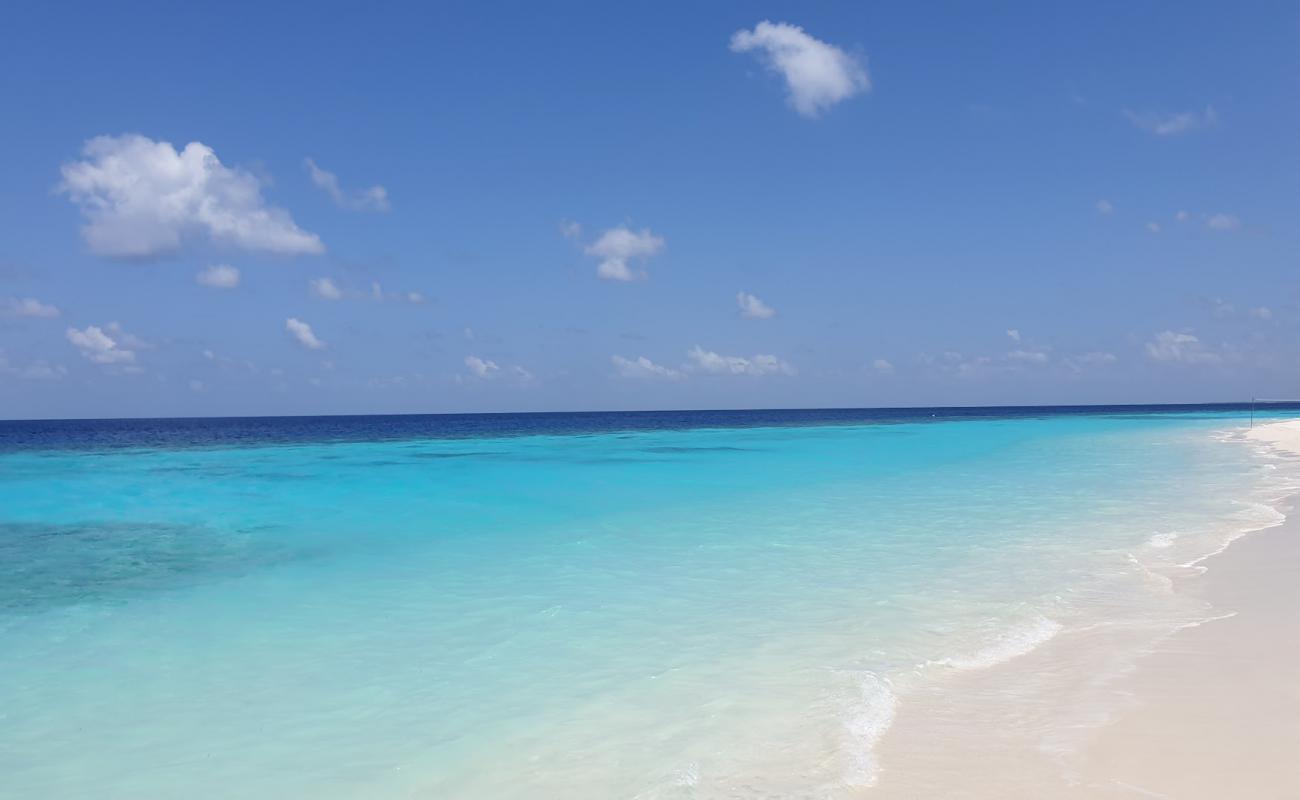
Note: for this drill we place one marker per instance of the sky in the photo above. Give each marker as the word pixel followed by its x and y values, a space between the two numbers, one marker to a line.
pixel 239 209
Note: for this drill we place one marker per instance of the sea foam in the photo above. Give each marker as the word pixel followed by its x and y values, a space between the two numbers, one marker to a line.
pixel 1015 643
pixel 871 718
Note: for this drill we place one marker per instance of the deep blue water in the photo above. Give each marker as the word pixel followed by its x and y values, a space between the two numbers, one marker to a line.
pixel 93 434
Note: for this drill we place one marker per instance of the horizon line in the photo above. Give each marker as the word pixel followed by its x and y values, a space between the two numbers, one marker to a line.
pixel 1242 404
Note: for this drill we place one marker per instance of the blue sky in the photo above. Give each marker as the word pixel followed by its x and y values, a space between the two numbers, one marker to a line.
pixel 490 207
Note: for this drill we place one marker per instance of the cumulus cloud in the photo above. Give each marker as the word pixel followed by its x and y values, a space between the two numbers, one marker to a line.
pixel 125 339
pixel 1013 334
pixel 373 199
pixel 1153 227
pixel 1180 348
pixel 325 288
pixel 710 362
pixel 817 74
pixel 883 366
pixel 618 246
pixel 1104 207
pixel 303 333
pixel 1223 222
pixel 143 199
pixel 220 276
pixel 98 346
pixel 30 307
pixel 1171 124
pixel 643 368
pixel 481 367
pixel 753 308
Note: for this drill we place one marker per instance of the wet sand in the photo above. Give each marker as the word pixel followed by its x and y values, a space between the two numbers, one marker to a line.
pixel 1209 711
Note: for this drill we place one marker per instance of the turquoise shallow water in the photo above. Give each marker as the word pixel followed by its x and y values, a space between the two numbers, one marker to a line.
pixel 663 611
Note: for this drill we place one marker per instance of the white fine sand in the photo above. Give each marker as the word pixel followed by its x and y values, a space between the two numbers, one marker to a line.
pixel 1212 712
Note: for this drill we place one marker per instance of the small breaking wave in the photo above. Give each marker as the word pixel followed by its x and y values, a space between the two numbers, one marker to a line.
pixel 1259 517
pixel 1162 540
pixel 872 717
pixel 1014 644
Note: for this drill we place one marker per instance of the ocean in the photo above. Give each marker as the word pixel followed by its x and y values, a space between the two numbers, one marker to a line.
pixel 596 605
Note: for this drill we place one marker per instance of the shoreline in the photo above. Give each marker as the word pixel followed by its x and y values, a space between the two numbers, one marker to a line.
pixel 1209 709
pixel 1217 706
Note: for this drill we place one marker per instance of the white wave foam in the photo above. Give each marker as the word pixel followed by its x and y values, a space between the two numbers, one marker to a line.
pixel 873 716
pixel 1162 540
pixel 1163 581
pixel 1013 644
pixel 1266 517
pixel 1196 623
pixel 687 776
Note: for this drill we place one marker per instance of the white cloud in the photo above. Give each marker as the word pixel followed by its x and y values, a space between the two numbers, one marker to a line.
pixel 1077 364
pixel 303 333
pixel 883 366
pixel 1096 358
pixel 711 362
pixel 1181 216
pixel 36 371
pixel 220 276
pixel 1104 207
pixel 1223 222
pixel 1222 308
pixel 43 371
pixel 143 199
pixel 373 199
pixel 196 385
pixel 1153 227
pixel 481 367
pixel 753 308
pixel 644 368
pixel 325 288
pixel 1028 356
pixel 329 289
pixel 1172 124
pixel 617 246
pixel 1013 334
pixel 30 307
pixel 1181 348
pixel 1262 312
pixel 97 346
pixel 570 230
pixel 817 74
pixel 125 339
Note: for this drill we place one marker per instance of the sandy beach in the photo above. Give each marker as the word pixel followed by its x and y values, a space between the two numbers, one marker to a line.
pixel 1210 711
